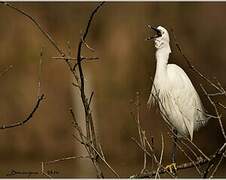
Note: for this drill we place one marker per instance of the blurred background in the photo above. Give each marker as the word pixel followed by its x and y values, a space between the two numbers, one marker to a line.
pixel 126 65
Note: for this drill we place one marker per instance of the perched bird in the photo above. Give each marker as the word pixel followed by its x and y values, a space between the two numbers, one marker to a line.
pixel 172 90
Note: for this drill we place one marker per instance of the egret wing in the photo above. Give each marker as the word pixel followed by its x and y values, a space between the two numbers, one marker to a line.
pixel 185 97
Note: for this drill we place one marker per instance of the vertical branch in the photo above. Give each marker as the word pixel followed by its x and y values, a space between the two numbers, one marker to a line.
pixel 88 115
pixel 39 73
pixel 161 156
pixel 138 115
pixel 83 38
pixel 140 131
pixel 145 155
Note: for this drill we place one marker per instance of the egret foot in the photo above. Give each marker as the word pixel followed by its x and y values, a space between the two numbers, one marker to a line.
pixel 172 168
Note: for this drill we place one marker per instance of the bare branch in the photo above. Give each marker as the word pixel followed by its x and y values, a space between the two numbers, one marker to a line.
pixel 90 99
pixel 45 33
pixel 199 161
pixel 216 86
pixel 28 117
pixel 157 162
pixel 75 59
pixel 39 73
pixel 160 160
pixel 220 152
pixel 223 106
pixel 43 171
pixel 189 158
pixel 84 37
pixel 216 111
pixel 217 166
pixel 6 70
pixel 65 159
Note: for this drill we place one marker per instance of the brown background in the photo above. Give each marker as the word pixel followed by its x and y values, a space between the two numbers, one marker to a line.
pixel 126 65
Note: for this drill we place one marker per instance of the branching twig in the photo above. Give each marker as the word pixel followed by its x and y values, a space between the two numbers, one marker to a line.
pixel 43 171
pixel 216 111
pixel 220 152
pixel 83 38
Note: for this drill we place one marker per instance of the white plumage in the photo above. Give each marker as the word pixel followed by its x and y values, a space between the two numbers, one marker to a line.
pixel 177 98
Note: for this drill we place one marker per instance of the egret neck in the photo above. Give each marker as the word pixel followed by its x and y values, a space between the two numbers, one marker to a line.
pixel 162 57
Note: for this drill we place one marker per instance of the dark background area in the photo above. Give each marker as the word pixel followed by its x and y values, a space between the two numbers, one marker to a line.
pixel 126 66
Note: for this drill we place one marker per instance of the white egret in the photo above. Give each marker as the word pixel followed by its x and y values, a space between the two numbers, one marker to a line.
pixel 172 90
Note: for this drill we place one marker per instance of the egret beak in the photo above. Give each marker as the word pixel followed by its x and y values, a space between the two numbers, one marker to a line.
pixel 156 30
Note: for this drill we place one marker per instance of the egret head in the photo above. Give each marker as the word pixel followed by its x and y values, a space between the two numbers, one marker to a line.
pixel 161 38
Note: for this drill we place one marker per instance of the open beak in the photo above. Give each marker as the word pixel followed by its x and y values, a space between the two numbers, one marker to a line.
pixel 158 33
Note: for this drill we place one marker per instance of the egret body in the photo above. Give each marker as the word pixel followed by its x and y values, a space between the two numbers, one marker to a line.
pixel 172 89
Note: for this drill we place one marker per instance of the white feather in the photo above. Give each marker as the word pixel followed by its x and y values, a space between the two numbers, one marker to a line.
pixel 172 89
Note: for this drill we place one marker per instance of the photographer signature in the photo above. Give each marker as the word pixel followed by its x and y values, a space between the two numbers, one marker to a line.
pixel 26 173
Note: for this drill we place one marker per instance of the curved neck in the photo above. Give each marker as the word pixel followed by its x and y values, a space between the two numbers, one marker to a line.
pixel 162 57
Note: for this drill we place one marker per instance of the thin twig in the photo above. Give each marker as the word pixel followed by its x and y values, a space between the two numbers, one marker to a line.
pixel 19 123
pixel 160 160
pixel 216 111
pixel 65 158
pixel 83 38
pixel 39 73
pixel 90 99
pixel 45 33
pixel 220 152
pixel 217 166
pixel 152 150
pixel 187 165
pixel 105 162
pixel 6 70
pixel 157 162
pixel 223 106
pixel 189 158
pixel 194 68
pixel 145 156
pixel 43 171
pixel 75 59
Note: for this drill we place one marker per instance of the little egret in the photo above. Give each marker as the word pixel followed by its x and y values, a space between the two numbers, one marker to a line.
pixel 172 90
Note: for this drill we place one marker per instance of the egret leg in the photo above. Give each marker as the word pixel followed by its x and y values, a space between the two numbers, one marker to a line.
pixel 174 149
